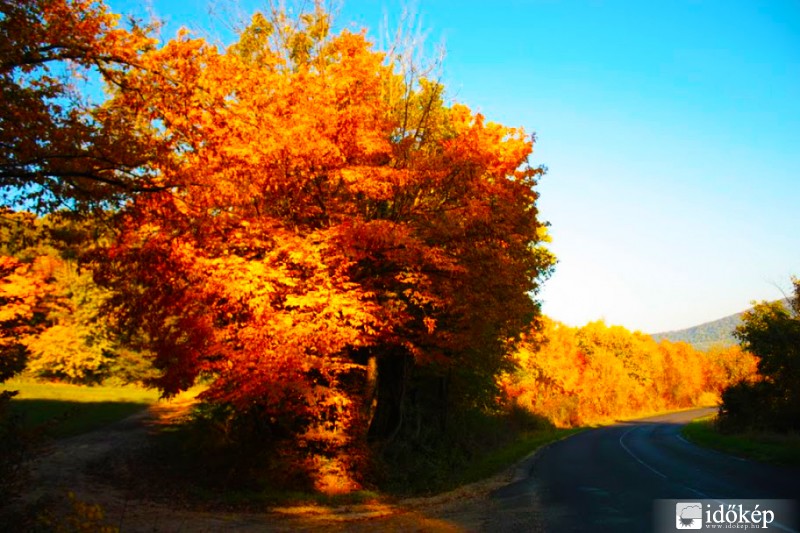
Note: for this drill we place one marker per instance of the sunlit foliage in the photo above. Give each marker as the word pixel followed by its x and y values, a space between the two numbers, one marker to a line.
pixel 576 376
pixel 331 233
pixel 72 340
pixel 23 287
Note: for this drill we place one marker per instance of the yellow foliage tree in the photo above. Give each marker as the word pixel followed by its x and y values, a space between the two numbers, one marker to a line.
pixel 576 376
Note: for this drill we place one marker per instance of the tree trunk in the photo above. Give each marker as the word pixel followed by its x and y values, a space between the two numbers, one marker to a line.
pixel 393 371
pixel 444 384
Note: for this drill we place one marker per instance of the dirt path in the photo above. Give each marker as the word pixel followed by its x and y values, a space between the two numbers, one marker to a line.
pixel 80 465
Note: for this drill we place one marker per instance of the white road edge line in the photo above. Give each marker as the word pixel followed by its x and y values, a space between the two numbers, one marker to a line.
pixel 778 525
pixel 621 443
pixel 709 450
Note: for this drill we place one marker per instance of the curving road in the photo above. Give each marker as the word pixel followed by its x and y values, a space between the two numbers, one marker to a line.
pixel 607 479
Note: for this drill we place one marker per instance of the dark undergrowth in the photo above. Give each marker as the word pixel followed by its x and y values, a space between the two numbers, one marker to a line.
pixel 198 464
pixel 475 446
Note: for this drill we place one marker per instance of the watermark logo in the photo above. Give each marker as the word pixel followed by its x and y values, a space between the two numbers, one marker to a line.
pixel 707 514
pixel 689 515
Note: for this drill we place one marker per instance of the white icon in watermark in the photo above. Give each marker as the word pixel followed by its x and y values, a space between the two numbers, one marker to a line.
pixel 689 515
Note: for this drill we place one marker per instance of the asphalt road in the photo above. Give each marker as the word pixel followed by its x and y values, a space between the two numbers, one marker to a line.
pixel 607 479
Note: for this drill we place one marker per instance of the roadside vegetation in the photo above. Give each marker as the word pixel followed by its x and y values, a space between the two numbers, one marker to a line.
pixel 771 400
pixel 234 474
pixel 769 447
pixel 759 416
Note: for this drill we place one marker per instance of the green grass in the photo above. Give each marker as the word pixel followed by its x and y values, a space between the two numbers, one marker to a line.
pixel 64 410
pixel 767 447
pixel 504 457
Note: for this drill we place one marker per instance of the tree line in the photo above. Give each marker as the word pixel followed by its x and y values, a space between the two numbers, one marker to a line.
pixel 595 373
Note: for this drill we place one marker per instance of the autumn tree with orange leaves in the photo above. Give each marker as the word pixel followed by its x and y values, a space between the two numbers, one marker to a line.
pixel 324 240
pixel 302 222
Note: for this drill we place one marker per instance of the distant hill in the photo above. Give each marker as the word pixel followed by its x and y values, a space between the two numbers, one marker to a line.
pixel 704 336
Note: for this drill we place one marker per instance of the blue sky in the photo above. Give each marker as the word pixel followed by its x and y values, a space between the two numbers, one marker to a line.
pixel 671 131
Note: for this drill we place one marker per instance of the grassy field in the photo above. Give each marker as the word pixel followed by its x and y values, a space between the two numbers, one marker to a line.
pixel 64 410
pixel 767 447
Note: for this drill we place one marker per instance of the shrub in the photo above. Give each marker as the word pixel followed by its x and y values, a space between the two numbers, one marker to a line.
pixel 771 332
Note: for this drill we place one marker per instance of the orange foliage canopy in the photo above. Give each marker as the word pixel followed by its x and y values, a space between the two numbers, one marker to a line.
pixel 577 376
pixel 319 211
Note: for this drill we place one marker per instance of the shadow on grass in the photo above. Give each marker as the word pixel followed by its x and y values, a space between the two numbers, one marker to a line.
pixel 62 418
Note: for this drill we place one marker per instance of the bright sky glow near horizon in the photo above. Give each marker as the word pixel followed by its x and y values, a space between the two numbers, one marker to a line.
pixel 671 131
